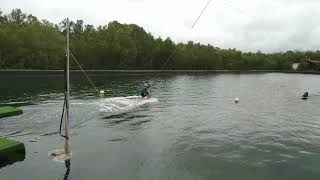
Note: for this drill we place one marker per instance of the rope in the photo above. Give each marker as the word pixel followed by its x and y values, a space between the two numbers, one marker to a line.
pixel 62 117
pixel 84 72
pixel 2 62
pixel 169 57
pixel 195 22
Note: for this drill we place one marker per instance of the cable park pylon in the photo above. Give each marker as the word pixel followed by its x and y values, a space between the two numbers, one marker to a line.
pixel 65 153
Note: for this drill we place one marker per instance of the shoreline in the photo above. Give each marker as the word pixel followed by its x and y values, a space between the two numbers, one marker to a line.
pixel 169 71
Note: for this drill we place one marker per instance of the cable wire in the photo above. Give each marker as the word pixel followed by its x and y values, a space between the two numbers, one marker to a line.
pixel 193 25
pixel 84 72
pixel 205 7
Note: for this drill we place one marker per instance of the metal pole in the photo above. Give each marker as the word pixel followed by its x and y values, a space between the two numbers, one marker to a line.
pixel 66 122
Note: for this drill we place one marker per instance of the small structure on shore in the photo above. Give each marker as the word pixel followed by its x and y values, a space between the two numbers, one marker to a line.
pixel 295 66
pixel 312 61
pixel 313 64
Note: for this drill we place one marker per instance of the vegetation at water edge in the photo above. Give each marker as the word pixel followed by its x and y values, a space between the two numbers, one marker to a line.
pixel 29 43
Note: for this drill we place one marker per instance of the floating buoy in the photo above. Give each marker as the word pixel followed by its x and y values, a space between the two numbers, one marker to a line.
pixel 101 92
pixel 236 100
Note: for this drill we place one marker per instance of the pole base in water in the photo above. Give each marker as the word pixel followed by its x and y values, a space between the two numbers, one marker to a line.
pixel 59 155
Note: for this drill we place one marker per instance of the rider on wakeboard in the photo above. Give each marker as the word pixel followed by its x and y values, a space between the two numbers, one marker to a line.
pixel 144 92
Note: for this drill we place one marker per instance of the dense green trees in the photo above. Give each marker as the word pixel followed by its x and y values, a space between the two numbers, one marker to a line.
pixel 29 43
pixel 25 42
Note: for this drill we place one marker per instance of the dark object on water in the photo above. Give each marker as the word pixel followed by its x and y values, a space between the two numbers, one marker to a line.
pixel 305 95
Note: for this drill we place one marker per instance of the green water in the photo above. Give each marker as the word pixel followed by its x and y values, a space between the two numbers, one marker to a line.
pixel 192 129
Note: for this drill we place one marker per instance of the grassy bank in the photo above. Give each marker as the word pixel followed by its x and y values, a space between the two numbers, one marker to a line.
pixel 7 111
pixel 169 71
pixel 11 151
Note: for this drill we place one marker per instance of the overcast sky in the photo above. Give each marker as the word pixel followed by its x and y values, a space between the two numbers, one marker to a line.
pixel 249 25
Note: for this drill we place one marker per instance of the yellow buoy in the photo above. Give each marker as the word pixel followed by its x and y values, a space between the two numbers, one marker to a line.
pixel 101 92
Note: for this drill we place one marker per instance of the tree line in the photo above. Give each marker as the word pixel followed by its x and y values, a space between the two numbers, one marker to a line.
pixel 29 43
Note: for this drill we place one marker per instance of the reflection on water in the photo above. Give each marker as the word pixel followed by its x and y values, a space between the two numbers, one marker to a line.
pixel 65 176
pixel 193 131
pixel 67 164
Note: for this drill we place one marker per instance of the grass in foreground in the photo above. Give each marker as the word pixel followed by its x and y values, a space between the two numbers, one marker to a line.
pixel 11 151
pixel 7 111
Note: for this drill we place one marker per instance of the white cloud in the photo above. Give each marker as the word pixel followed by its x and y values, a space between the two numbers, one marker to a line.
pixel 249 25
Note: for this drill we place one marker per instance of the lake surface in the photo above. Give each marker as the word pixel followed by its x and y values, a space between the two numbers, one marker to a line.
pixel 190 130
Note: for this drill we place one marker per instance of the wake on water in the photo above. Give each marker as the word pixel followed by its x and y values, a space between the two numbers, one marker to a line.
pixel 109 106
pixel 124 104
pixel 43 122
